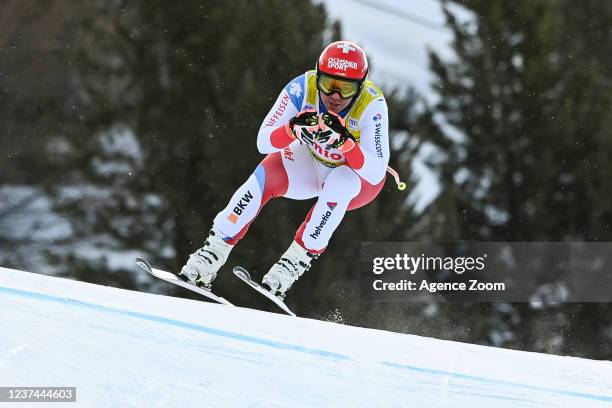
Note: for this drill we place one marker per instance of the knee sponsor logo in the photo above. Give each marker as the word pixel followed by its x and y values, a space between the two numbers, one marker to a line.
pixel 324 220
pixel 377 142
pixel 240 207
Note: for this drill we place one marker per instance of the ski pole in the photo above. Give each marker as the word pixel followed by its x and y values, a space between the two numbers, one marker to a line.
pixel 400 184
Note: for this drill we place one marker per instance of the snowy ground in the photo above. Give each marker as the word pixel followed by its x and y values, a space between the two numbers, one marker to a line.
pixel 122 348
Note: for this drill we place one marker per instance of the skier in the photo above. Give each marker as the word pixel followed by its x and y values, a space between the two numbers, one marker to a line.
pixel 326 137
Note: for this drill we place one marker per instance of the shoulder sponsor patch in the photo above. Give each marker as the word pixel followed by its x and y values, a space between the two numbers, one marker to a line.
pixel 353 123
pixel 295 89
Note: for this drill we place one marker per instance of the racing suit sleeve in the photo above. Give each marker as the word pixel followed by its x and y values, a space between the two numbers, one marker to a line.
pixel 370 157
pixel 273 135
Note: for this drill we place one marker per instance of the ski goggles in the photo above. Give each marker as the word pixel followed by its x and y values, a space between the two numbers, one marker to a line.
pixel 345 87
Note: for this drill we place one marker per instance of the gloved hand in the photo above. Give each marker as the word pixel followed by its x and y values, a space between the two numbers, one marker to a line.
pixel 305 125
pixel 334 133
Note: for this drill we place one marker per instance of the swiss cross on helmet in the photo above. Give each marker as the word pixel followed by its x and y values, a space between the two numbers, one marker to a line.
pixel 343 60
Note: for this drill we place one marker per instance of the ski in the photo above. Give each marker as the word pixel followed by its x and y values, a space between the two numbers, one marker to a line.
pixel 172 278
pixel 244 276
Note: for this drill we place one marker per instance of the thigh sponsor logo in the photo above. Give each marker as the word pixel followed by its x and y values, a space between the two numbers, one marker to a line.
pixel 240 207
pixel 324 220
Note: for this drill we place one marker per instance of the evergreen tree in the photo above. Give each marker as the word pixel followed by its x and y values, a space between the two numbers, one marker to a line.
pixel 527 94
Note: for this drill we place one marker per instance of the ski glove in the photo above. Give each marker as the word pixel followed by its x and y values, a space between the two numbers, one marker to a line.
pixel 304 126
pixel 334 133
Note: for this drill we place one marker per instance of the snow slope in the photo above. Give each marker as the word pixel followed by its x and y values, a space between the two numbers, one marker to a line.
pixel 129 349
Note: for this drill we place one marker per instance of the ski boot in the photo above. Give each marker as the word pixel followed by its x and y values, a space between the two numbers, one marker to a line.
pixel 292 264
pixel 202 266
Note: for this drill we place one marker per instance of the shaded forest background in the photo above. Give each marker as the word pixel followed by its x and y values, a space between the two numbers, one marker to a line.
pixel 126 125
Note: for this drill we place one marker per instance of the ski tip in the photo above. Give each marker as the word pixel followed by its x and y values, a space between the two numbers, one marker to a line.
pixel 144 264
pixel 242 273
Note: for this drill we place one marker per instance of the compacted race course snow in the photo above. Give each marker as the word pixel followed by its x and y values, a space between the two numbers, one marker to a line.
pixel 129 349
